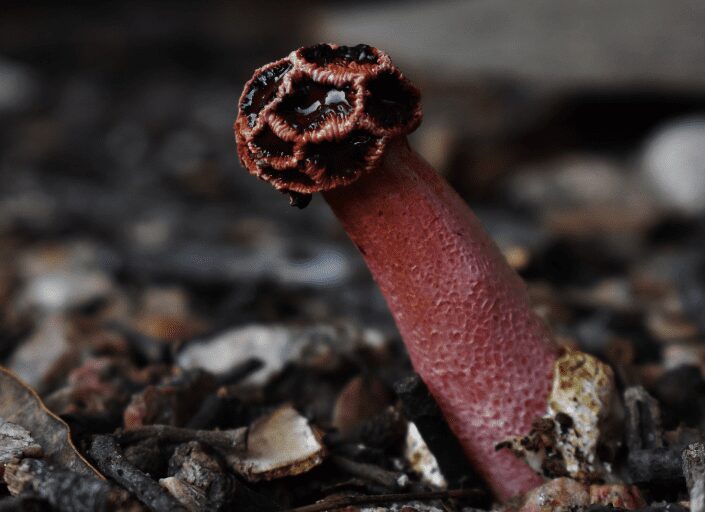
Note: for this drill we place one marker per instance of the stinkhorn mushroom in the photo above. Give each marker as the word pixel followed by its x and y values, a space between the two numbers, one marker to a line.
pixel 334 119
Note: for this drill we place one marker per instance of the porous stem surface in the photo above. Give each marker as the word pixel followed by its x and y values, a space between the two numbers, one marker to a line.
pixel 463 313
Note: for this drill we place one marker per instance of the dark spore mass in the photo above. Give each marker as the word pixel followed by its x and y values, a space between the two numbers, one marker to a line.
pixel 341 158
pixel 391 102
pixel 312 103
pixel 287 176
pixel 262 91
pixel 268 144
pixel 299 200
pixel 323 54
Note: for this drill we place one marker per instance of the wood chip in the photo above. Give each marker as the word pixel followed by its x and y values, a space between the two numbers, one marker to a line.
pixel 280 444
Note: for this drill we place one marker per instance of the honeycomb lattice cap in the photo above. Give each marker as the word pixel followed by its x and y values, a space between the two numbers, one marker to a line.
pixel 322 117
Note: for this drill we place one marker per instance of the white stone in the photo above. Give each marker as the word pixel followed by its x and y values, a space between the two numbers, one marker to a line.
pixel 673 164
pixel 36 356
pixel 421 460
pixel 275 346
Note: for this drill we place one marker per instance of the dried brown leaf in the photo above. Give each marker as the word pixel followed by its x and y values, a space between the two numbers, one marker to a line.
pixel 20 404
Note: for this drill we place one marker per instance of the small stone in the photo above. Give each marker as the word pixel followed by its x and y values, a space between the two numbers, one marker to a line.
pixel 362 398
pixel 564 494
pixel 320 346
pixel 421 460
pixel 63 290
pixel 616 495
pixel 60 278
pixel 694 471
pixel 673 163
pixel 670 326
pixel 35 358
pixel 165 314
pixel 686 353
pixel 557 494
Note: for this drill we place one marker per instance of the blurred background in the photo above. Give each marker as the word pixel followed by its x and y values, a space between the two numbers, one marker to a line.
pixel 575 129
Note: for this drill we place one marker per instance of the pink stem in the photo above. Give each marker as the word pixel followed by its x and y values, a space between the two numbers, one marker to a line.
pixel 462 311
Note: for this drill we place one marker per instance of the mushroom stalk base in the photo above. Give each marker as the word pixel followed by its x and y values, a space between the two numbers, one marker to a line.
pixel 463 313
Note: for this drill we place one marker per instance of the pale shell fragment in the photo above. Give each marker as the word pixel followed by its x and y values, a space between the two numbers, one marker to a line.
pixel 280 444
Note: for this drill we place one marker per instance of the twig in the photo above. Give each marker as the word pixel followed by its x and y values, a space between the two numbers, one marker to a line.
pixel 63 489
pixel 112 462
pixel 146 347
pixel 240 371
pixel 368 472
pixel 346 501
pixel 229 440
pixel 223 407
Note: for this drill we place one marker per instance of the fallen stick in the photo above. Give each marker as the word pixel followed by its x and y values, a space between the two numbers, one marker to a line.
pixel 110 460
pixel 346 501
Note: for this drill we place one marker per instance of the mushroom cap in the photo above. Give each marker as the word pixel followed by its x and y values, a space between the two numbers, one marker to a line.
pixel 323 116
